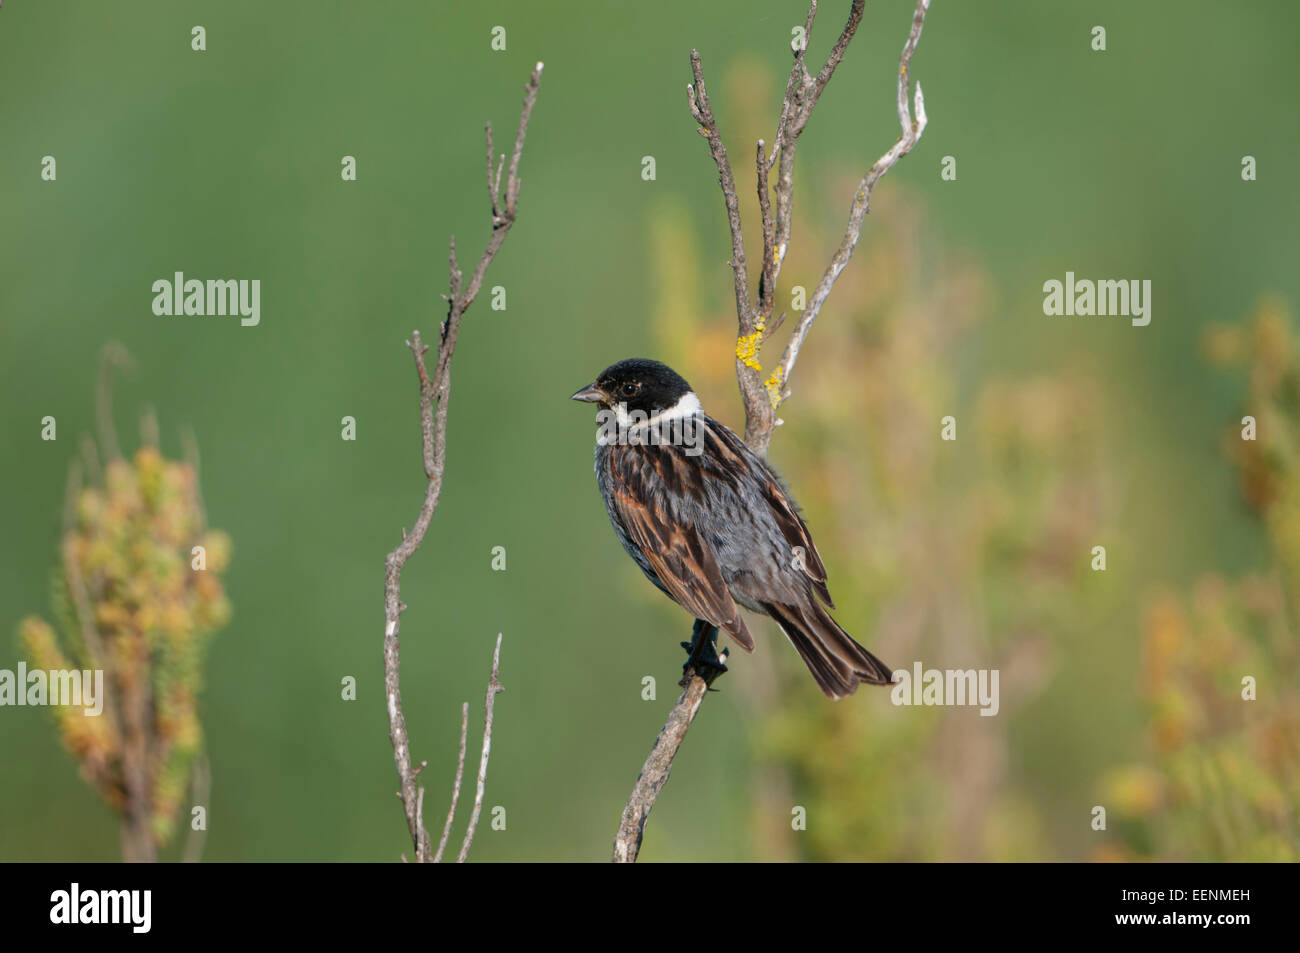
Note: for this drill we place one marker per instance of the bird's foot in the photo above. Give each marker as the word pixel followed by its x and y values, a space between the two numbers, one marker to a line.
pixel 702 655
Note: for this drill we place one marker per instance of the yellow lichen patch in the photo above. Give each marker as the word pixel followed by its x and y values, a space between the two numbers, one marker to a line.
pixel 747 348
pixel 773 385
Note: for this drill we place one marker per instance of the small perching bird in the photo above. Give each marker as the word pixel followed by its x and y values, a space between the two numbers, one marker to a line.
pixel 711 524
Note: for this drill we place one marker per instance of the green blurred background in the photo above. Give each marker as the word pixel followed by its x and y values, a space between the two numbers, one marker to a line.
pixel 1073 432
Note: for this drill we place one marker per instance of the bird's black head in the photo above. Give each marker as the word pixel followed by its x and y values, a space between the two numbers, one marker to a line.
pixel 643 385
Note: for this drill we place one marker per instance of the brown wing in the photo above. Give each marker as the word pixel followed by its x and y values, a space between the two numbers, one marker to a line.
pixel 783 510
pixel 684 564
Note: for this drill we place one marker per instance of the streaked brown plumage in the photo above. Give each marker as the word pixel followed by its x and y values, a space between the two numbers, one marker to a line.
pixel 718 528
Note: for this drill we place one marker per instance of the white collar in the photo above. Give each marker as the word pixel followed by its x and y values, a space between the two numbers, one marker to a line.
pixel 687 406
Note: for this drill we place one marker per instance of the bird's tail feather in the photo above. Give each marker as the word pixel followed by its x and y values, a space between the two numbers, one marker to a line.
pixel 837 662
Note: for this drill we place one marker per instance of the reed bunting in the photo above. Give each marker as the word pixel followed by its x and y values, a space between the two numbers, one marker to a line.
pixel 711 524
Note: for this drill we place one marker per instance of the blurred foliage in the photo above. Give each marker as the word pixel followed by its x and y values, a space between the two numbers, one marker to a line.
pixel 131 602
pixel 1220 669
pixel 961 558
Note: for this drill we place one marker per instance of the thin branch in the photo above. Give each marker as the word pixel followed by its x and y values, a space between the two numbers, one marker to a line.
pixel 654 773
pixel 911 135
pixel 751 383
pixel 801 101
pixel 698 98
pixel 803 90
pixel 767 281
pixel 455 789
pixel 436 389
pixel 489 703
pixel 494 188
pixel 419 807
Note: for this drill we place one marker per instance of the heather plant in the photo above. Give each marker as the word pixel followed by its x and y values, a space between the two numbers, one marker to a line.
pixel 138 596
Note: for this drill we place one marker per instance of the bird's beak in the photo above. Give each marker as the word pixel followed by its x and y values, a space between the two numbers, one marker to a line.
pixel 590 394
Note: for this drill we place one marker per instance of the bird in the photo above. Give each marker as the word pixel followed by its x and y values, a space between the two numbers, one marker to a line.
pixel 711 524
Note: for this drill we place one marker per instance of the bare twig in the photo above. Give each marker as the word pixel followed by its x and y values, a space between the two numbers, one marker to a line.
pixel 751 382
pixel 912 129
pixel 435 390
pixel 755 318
pixel 489 703
pixel 755 322
pixel 802 93
pixel 654 773
pixel 455 788
pixel 698 99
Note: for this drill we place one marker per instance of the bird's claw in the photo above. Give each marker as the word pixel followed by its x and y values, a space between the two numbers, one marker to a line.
pixel 702 655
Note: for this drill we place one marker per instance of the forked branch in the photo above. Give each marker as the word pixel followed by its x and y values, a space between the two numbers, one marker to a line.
pixel 754 315
pixel 435 390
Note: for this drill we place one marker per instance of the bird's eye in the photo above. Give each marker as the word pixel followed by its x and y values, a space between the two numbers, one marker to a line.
pixel 630 390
